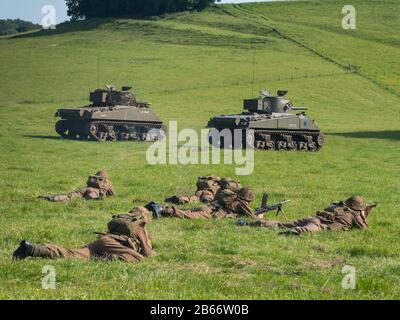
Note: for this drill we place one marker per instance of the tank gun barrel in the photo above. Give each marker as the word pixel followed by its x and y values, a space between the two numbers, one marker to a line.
pixel 299 108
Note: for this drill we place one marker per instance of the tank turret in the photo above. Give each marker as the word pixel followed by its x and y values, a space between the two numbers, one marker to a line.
pixel 268 124
pixel 270 104
pixel 112 115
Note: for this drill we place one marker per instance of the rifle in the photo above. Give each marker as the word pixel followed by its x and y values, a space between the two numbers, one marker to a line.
pixel 272 207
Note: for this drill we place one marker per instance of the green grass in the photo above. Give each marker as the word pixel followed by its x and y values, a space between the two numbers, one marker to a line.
pixel 191 67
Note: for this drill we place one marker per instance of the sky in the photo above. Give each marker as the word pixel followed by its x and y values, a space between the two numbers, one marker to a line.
pixel 31 10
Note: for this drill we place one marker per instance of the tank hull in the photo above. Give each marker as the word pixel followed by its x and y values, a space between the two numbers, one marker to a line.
pixel 268 132
pixel 119 123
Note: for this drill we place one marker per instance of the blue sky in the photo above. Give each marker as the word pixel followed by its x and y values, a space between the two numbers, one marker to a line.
pixel 31 10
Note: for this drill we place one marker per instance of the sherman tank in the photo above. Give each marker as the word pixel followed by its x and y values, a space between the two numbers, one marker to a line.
pixel 267 124
pixel 113 115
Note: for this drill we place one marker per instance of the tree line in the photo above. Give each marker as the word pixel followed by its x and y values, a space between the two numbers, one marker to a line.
pixel 13 26
pixel 86 9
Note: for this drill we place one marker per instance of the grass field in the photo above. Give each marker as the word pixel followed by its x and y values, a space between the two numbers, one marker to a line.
pixel 191 67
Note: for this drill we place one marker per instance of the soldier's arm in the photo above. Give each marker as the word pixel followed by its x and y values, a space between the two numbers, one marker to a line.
pixel 77 193
pixel 360 222
pixel 65 196
pixel 92 194
pixel 109 189
pixel 145 244
pixel 244 209
pixel 205 196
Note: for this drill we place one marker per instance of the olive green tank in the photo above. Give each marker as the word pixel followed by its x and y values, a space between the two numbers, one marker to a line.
pixel 268 124
pixel 113 115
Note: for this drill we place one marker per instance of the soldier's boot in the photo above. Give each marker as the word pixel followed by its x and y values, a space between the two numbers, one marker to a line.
pixel 173 199
pixel 24 250
pixel 155 209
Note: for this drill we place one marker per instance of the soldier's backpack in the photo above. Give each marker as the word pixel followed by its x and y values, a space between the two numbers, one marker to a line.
pixel 209 182
pixel 126 224
pixel 335 210
pixel 225 198
pixel 229 184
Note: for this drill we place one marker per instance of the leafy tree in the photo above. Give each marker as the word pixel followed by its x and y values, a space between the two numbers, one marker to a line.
pixel 86 9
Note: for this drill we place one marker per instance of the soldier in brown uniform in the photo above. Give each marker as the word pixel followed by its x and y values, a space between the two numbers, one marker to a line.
pixel 98 186
pixel 207 188
pixel 227 204
pixel 127 240
pixel 342 216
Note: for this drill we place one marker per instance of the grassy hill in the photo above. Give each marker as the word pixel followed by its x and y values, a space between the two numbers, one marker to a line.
pixel 191 67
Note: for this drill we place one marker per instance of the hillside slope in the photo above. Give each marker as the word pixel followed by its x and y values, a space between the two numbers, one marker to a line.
pixel 191 67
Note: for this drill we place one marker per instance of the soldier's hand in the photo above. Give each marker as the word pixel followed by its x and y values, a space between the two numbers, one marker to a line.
pixel 242 223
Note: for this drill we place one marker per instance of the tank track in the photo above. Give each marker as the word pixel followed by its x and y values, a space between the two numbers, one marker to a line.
pixel 109 130
pixel 288 140
pixel 281 140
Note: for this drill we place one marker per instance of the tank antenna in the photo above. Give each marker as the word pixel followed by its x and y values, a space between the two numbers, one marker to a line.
pixel 98 71
pixel 254 68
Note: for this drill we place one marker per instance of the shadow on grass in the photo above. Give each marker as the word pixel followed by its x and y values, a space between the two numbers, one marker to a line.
pixel 43 137
pixel 368 252
pixel 66 27
pixel 388 135
pixel 83 25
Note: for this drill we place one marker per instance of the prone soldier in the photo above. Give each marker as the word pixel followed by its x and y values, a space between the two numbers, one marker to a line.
pixel 98 186
pixel 127 240
pixel 227 204
pixel 207 189
pixel 342 216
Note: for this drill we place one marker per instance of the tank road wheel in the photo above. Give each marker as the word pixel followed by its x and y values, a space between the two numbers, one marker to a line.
pixel 265 142
pixel 98 132
pixel 141 133
pixel 312 146
pixel 281 143
pixel 156 134
pixel 260 145
pixel 290 143
pixel 111 135
pixel 302 146
pixel 93 131
pixel 292 146
pixel 270 145
pixel 122 132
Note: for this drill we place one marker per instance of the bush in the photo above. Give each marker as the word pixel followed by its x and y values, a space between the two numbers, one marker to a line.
pixel 10 26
